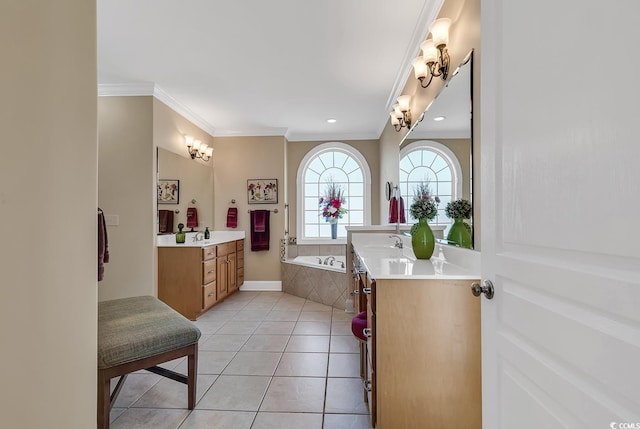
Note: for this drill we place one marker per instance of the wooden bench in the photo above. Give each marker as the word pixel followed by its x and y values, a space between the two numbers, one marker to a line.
pixel 140 333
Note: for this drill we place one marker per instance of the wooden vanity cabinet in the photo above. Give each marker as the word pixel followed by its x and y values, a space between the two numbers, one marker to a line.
pixel 191 280
pixel 423 354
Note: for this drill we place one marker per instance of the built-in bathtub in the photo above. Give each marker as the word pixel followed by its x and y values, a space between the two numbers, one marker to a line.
pixel 309 277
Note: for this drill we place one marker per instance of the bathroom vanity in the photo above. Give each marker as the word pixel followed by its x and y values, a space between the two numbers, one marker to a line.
pixel 421 363
pixel 196 275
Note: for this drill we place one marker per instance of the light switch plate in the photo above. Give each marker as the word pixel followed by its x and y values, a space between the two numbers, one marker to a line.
pixel 112 220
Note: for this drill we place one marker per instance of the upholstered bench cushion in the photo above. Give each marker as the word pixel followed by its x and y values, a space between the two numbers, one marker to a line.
pixel 130 329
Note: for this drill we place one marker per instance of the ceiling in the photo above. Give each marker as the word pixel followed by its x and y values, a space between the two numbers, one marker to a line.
pixel 262 68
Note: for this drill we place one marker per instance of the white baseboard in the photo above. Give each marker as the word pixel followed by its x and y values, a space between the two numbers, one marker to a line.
pixel 272 286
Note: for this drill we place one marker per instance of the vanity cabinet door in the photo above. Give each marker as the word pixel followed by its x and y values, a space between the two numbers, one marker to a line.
pixel 232 285
pixel 222 269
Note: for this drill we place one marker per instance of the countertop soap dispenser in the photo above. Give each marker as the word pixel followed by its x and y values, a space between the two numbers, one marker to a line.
pixel 207 234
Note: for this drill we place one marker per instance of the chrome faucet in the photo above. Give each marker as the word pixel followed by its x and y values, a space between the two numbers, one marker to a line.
pixel 319 259
pixel 329 259
pixel 398 243
pixel 199 233
pixel 340 262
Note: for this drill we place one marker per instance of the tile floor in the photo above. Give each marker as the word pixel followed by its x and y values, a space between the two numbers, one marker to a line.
pixel 266 360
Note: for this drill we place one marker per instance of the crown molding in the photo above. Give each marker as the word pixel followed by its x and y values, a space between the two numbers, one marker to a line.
pixel 125 89
pixel 151 89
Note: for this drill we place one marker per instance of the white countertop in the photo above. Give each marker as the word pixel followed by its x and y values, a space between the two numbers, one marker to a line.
pixel 216 237
pixel 382 260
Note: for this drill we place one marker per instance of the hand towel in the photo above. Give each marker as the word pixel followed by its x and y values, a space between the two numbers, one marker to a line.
pixel 232 217
pixel 192 217
pixel 259 240
pixel 259 220
pixel 103 245
pixel 396 210
pixel 165 220
pixel 393 210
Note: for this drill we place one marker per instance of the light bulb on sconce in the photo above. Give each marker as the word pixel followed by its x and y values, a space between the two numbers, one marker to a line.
pixel 197 149
pixel 434 61
pixel 401 115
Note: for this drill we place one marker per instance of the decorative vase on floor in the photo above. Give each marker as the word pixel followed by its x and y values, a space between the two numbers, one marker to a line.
pixel 422 239
pixel 334 228
pixel 460 234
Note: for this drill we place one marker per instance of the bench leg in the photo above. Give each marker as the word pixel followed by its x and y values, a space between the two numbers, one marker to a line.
pixel 192 365
pixel 104 400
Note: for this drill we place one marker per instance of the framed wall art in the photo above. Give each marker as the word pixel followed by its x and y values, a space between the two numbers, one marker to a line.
pixel 262 191
pixel 168 191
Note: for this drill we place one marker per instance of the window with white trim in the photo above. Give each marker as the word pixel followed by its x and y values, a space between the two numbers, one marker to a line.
pixel 433 162
pixel 345 166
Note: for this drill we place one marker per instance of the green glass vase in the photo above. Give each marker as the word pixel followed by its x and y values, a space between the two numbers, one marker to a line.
pixel 422 239
pixel 460 234
pixel 180 236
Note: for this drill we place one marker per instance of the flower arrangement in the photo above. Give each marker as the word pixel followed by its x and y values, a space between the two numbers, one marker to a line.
pixel 424 206
pixel 458 209
pixel 332 202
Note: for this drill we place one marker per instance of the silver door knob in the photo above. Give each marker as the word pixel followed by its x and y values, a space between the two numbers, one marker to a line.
pixel 486 289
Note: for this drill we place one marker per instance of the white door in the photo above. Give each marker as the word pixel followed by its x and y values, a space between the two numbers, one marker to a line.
pixel 560 148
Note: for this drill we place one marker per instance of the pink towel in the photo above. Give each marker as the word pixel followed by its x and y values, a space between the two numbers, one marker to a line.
pixel 232 217
pixel 259 239
pixel 192 217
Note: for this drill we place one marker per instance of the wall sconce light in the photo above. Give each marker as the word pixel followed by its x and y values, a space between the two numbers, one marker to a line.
pixel 197 149
pixel 434 61
pixel 401 115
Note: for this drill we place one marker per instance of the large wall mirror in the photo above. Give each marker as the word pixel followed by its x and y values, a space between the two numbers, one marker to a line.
pixel 439 147
pixel 195 182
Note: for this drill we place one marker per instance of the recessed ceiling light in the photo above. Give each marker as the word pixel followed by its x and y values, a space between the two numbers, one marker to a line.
pixel 439 118
pixel 332 120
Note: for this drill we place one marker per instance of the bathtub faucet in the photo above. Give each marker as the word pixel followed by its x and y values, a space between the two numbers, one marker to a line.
pixel 340 262
pixel 329 259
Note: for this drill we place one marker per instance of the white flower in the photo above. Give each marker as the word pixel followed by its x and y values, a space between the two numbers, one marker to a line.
pixel 332 210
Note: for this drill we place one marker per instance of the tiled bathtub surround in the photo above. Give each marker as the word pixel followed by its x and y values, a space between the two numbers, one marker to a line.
pixel 266 360
pixel 315 284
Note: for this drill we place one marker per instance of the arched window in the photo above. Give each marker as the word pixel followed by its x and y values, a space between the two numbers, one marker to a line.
pixel 433 162
pixel 343 165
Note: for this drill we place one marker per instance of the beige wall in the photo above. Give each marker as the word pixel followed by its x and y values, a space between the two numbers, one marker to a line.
pixel 464 35
pixel 296 151
pixel 48 255
pixel 196 183
pixel 126 187
pixel 236 159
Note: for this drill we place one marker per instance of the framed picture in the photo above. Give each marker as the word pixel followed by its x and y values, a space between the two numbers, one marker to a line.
pixel 168 191
pixel 262 191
